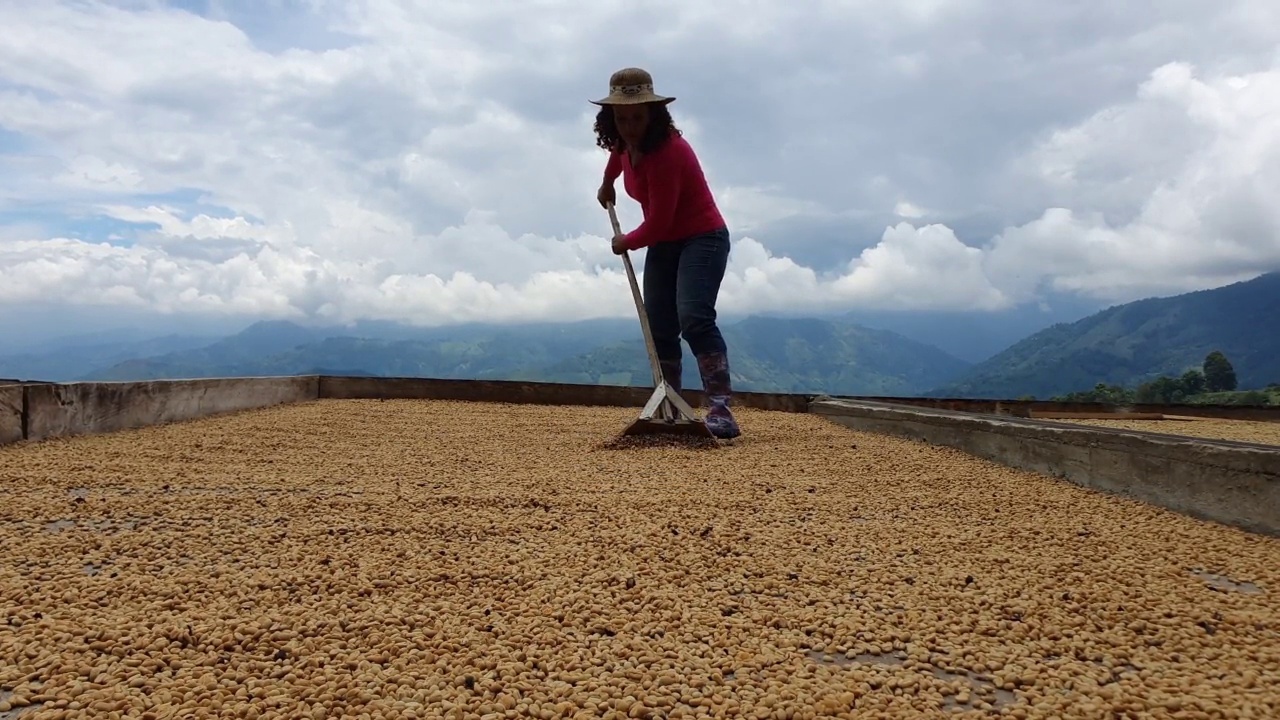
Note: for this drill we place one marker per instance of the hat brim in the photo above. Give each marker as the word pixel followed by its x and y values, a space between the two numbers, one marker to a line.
pixel 633 100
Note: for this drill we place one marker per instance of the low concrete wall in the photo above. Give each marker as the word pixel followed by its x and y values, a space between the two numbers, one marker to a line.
pixel 1025 408
pixel 1233 483
pixel 11 413
pixel 540 393
pixel 98 407
pixel 38 411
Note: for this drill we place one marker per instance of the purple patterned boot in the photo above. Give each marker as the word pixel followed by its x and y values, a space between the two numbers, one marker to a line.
pixel 714 368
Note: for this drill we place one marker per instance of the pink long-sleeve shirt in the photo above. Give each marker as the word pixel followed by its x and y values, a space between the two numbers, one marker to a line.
pixel 672 191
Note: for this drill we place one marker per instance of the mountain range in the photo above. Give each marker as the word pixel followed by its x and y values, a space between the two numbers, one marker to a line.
pixel 1138 342
pixel 1124 345
pixel 769 354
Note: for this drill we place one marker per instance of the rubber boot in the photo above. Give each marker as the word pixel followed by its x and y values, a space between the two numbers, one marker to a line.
pixel 671 370
pixel 714 368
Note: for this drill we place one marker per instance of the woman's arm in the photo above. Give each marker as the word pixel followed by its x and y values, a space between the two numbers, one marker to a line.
pixel 606 195
pixel 613 168
pixel 666 180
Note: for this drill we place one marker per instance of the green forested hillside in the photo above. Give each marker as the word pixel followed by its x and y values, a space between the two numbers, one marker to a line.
pixel 469 354
pixel 776 355
pixel 1125 346
pixel 71 362
pixel 1130 344
pixel 785 355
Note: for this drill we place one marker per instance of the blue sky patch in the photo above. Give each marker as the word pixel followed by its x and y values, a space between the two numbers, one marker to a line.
pixel 272 27
pixel 93 228
pixel 13 142
pixel 84 221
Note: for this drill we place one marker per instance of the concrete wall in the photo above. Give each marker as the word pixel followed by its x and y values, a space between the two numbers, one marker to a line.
pixel 532 392
pixel 1236 484
pixel 1026 408
pixel 577 394
pixel 11 401
pixel 93 407
pixel 38 411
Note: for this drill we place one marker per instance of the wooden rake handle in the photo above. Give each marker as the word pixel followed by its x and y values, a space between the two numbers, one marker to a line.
pixel 635 294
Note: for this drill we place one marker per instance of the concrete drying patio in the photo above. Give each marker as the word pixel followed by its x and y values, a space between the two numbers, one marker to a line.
pixel 432 558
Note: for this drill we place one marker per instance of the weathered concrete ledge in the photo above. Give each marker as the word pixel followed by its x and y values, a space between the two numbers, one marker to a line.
pixel 539 393
pixel 12 399
pixel 1028 408
pixel 39 411
pixel 1232 483
pixel 58 410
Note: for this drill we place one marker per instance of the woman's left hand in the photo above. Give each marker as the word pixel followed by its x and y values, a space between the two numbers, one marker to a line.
pixel 619 244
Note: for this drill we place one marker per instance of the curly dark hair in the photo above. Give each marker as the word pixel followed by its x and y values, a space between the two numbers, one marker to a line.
pixel 661 127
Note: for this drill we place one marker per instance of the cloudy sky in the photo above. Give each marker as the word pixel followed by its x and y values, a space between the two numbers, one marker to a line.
pixel 430 162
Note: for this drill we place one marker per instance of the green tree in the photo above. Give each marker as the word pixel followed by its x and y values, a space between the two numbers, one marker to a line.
pixel 1193 382
pixel 1101 393
pixel 1219 376
pixel 1161 390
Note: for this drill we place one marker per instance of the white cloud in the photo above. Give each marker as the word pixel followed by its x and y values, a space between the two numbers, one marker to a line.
pixel 925 268
pixel 751 207
pixel 1205 216
pixel 436 163
pixel 920 268
pixel 908 210
pixel 92 173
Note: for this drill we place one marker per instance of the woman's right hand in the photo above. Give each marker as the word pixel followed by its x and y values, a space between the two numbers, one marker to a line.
pixel 606 195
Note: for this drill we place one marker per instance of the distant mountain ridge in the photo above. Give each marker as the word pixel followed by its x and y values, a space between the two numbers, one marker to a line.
pixel 73 361
pixel 1136 342
pixel 285 348
pixel 768 354
pixel 1125 345
pixel 783 355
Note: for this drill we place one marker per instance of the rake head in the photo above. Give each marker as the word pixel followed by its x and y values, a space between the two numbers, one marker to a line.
pixel 667 413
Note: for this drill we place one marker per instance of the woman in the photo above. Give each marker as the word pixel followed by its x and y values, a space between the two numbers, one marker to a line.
pixel 686 237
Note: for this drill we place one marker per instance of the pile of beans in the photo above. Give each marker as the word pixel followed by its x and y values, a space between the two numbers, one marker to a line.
pixel 412 559
pixel 1264 433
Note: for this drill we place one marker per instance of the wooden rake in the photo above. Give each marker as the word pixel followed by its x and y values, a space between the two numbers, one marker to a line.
pixel 666 413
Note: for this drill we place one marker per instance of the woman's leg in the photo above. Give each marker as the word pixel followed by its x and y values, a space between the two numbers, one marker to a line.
pixel 702 266
pixel 661 265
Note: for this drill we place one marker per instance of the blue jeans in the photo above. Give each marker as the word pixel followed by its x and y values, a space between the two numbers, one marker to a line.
pixel 681 284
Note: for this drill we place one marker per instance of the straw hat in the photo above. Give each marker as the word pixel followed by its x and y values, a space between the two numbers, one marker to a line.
pixel 631 86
